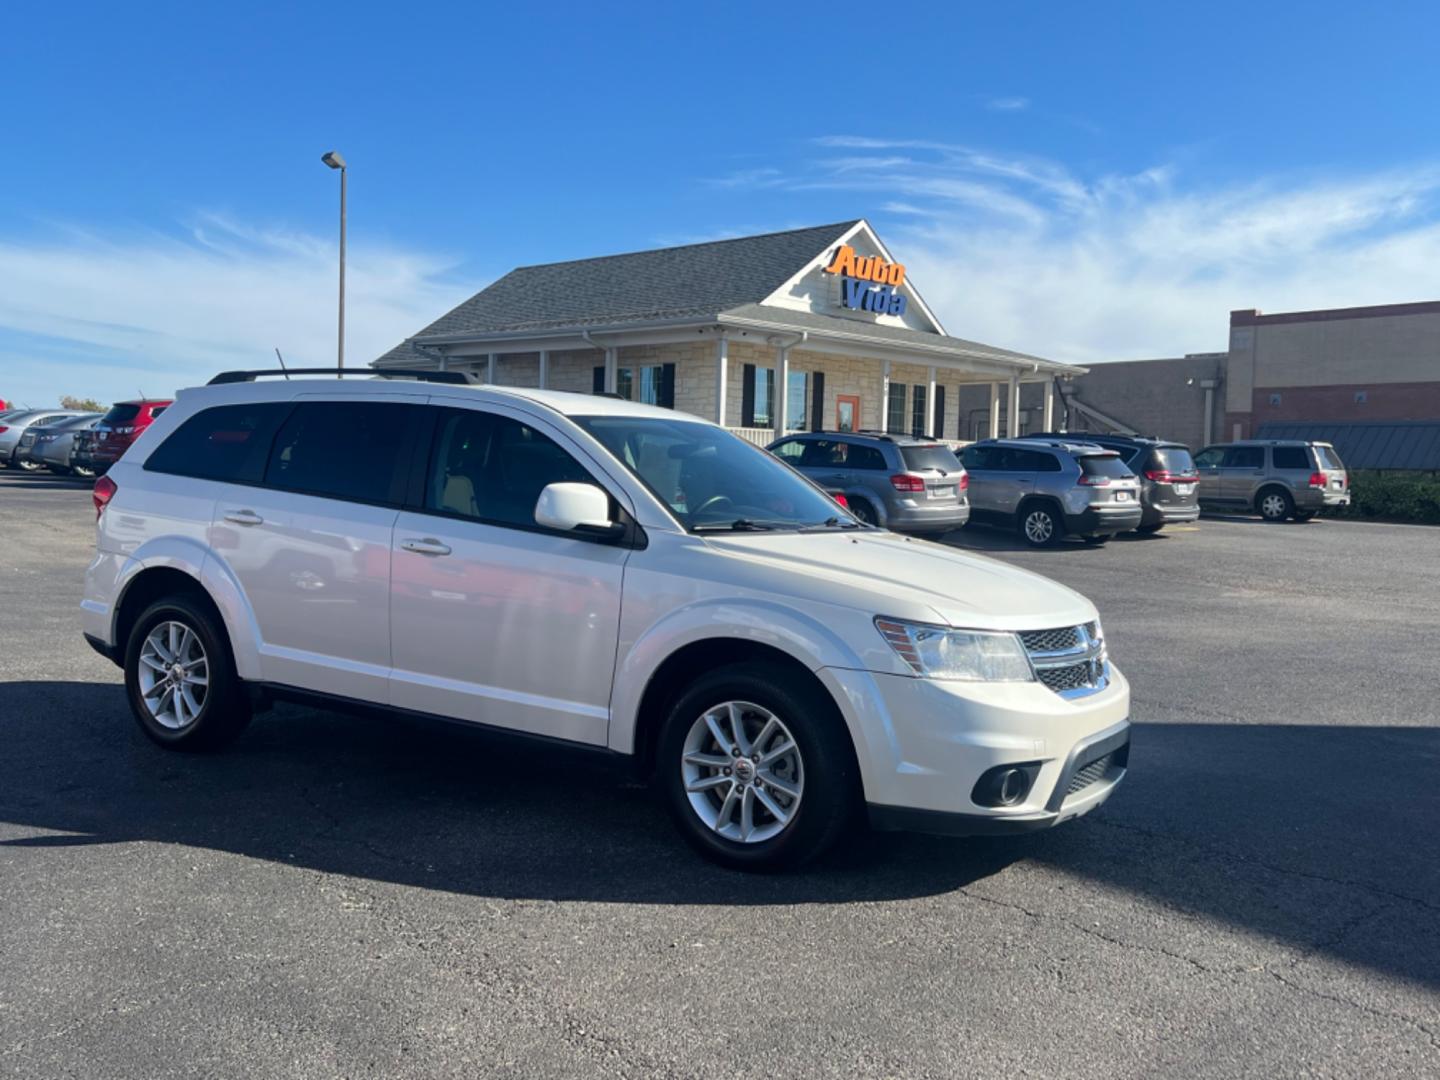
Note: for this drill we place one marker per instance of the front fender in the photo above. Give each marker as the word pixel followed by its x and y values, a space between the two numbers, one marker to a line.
pixel 799 636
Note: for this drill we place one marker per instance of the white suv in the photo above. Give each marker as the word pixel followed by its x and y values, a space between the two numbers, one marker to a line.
pixel 609 574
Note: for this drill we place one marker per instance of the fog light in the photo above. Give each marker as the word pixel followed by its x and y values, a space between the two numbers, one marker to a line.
pixel 1005 785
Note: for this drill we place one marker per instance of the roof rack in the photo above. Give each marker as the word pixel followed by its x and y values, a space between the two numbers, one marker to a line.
pixel 454 378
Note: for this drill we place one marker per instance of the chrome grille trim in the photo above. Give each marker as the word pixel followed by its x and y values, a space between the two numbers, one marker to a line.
pixel 1070 660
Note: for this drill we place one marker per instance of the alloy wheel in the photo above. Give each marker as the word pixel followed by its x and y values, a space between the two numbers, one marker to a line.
pixel 1039 527
pixel 742 772
pixel 174 675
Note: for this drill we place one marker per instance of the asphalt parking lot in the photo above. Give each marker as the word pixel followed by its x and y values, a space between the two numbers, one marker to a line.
pixel 340 896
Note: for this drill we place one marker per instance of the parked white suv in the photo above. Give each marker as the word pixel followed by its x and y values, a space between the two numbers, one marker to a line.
pixel 582 568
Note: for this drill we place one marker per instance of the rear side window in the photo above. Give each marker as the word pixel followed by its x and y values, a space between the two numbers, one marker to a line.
pixel 343 450
pixel 228 443
pixel 1328 458
pixel 937 456
pixel 1290 457
pixel 1105 465
pixel 1244 457
pixel 120 414
pixel 864 457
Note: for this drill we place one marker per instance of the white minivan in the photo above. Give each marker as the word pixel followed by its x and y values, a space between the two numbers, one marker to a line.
pixel 613 575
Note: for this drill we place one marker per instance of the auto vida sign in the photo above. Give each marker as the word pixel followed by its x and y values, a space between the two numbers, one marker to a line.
pixel 868 282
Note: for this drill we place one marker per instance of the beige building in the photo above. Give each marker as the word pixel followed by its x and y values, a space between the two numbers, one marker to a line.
pixel 810 329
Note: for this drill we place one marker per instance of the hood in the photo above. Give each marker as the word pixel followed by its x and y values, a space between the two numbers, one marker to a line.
pixel 896 575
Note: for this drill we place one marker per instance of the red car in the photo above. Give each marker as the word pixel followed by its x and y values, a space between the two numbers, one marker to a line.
pixel 118 428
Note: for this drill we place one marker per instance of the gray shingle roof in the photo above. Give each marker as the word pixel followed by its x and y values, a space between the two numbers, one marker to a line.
pixel 698 280
pixel 1379 444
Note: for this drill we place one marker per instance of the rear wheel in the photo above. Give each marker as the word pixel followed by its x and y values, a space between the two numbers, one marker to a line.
pixel 1148 529
pixel 1275 504
pixel 181 679
pixel 862 509
pixel 757 769
pixel 1040 525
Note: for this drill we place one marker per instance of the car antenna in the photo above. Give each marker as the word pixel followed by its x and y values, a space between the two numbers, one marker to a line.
pixel 282 363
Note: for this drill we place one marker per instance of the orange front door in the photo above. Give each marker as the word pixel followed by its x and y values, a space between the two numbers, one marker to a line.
pixel 847 413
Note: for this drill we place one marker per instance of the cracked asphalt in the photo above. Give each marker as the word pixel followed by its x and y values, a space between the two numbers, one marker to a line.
pixel 346 897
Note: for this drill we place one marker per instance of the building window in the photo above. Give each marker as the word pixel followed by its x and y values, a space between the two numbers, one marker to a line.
pixel 895 408
pixel 1274 400
pixel 764 398
pixel 1361 397
pixel 796 401
pixel 625 383
pixel 917 411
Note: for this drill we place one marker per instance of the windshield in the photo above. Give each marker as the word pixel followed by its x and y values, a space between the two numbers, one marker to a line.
pixel 930 456
pixel 1327 457
pixel 711 479
pixel 120 414
pixel 1105 465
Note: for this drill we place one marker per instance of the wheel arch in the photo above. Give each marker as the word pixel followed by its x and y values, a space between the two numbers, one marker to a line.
pixel 153 583
pixel 1266 488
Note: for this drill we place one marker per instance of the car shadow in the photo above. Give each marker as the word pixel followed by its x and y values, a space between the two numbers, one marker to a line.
pixel 1277 829
pixel 987 539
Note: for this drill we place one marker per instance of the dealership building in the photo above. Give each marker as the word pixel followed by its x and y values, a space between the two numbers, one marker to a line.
pixel 806 330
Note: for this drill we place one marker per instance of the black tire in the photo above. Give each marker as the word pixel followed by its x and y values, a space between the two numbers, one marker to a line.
pixel 1150 529
pixel 26 465
pixel 1305 515
pixel 224 709
pixel 830 800
pixel 83 471
pixel 1274 504
pixel 60 470
pixel 1033 531
pixel 862 509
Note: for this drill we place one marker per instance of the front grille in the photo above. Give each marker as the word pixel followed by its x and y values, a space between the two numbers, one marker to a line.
pixel 1069 660
pixel 1089 774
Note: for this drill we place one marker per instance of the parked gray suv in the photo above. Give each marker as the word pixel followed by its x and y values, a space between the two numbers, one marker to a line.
pixel 900 482
pixel 1277 478
pixel 1048 489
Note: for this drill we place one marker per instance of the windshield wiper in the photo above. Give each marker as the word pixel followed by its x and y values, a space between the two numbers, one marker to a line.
pixel 831 523
pixel 738 525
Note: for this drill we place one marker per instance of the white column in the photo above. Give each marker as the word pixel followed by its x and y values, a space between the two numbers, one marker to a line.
pixel 1049 404
pixel 994 410
pixel 1012 406
pixel 884 396
pixel 722 378
pixel 444 361
pixel 490 360
pixel 930 407
pixel 612 368
pixel 544 369
pixel 782 396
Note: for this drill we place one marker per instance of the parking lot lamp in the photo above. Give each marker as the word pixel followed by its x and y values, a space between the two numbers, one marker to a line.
pixel 335 161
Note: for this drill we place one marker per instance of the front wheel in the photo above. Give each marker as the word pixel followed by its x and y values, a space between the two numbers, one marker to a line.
pixel 181 679
pixel 757 769
pixel 1040 526
pixel 85 472
pixel 1275 505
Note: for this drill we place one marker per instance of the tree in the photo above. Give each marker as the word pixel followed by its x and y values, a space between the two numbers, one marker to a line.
pixel 84 404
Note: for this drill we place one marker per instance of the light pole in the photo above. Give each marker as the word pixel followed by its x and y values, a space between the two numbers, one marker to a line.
pixel 335 161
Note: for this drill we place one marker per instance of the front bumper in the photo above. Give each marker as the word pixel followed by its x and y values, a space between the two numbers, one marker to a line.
pixel 923 745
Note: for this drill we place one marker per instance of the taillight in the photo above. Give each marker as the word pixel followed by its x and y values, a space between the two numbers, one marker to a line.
pixel 964 481
pixel 1094 481
pixel 906 482
pixel 1165 476
pixel 841 500
pixel 1317 479
pixel 3 428
pixel 105 489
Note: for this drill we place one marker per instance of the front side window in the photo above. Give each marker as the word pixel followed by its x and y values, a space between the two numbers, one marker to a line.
pixel 493 468
pixel 709 478
pixel 228 443
pixel 977 457
pixel 342 450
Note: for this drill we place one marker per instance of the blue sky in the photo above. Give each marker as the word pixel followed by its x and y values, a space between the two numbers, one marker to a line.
pixel 1088 182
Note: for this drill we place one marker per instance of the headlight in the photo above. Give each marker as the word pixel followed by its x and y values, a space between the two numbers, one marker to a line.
pixel 969 655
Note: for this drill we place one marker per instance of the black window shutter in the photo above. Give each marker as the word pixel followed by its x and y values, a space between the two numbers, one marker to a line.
pixel 939 431
pixel 747 396
pixel 666 395
pixel 597 385
pixel 817 401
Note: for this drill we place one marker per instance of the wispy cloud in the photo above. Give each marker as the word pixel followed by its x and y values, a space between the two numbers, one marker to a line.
pixel 748 178
pixel 1008 104
pixel 1031 254
pixel 100 313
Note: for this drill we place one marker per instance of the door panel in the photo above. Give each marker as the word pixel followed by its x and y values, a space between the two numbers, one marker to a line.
pixel 1241 470
pixel 847 413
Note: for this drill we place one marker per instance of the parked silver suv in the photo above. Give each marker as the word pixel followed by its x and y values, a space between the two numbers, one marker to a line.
pixel 1277 478
pixel 900 482
pixel 1047 489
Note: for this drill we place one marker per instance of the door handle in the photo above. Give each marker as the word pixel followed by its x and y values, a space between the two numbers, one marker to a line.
pixel 427 546
pixel 243 517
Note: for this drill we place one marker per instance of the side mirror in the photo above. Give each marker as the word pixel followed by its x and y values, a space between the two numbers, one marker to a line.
pixel 576 507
